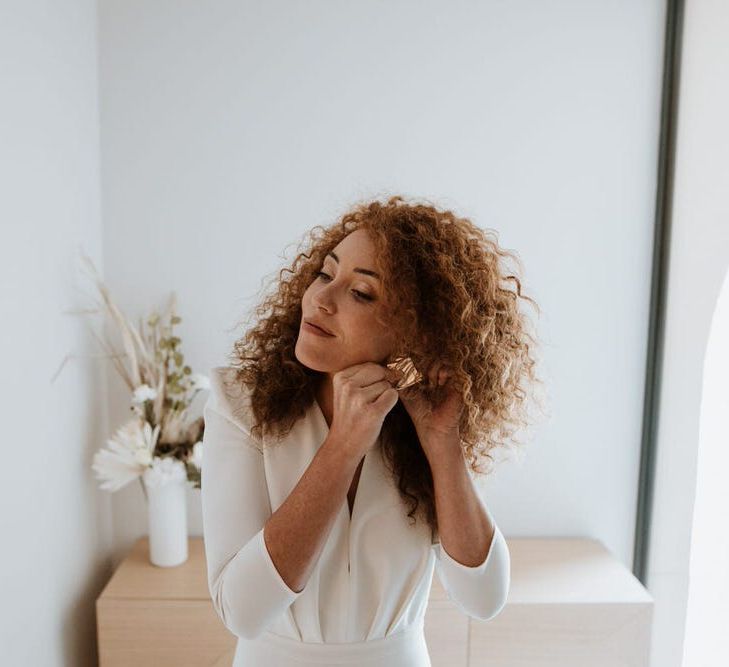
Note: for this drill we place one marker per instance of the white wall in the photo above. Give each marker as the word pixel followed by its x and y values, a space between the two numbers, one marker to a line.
pixel 55 524
pixel 707 609
pixel 698 266
pixel 230 128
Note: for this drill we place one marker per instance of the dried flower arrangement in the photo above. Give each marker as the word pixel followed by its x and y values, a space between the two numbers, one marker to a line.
pixel 160 442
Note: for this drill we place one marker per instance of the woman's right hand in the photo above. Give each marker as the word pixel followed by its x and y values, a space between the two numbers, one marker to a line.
pixel 362 398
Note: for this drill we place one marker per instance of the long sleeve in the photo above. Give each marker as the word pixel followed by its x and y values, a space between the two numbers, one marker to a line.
pixel 247 591
pixel 479 591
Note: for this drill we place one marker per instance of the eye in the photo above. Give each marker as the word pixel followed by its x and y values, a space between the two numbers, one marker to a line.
pixel 363 296
pixel 360 295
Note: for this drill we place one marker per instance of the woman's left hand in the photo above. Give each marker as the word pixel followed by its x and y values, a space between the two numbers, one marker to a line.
pixel 437 425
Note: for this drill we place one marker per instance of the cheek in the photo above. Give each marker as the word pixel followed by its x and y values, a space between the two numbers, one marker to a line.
pixel 371 334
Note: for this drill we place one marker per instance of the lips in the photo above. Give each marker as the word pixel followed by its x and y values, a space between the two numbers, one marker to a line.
pixel 319 326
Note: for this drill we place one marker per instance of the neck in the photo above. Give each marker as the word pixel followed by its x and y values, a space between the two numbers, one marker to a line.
pixel 325 397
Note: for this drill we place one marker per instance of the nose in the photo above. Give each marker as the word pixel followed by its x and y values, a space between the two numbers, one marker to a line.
pixel 322 298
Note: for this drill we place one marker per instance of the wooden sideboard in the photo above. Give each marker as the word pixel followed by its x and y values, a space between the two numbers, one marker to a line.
pixel 570 603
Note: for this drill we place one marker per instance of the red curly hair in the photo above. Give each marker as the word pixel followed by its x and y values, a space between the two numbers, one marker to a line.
pixel 448 297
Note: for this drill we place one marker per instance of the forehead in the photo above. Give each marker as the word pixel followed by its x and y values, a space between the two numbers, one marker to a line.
pixel 357 245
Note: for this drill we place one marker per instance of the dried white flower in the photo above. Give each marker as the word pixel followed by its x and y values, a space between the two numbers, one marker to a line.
pixel 164 470
pixel 144 457
pixel 143 393
pixel 129 455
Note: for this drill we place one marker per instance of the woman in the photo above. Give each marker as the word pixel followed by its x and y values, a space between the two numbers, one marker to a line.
pixel 379 374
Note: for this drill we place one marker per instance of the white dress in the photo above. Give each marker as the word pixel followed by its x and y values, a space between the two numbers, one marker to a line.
pixel 366 598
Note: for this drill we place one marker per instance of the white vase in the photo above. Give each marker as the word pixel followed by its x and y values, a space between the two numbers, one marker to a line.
pixel 167 516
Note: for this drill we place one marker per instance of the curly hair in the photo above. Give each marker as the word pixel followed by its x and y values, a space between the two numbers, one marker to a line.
pixel 449 298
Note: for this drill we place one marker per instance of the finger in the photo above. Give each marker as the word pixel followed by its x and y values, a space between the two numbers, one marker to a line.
pixel 372 391
pixel 393 375
pixel 433 372
pixel 405 385
pixel 443 372
pixel 350 371
pixel 365 373
pixel 387 399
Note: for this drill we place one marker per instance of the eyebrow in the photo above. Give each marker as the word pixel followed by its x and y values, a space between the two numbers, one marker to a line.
pixel 357 269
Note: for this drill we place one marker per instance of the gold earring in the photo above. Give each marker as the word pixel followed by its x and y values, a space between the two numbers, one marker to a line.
pixel 406 373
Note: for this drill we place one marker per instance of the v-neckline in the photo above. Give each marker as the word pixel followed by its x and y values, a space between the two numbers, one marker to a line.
pixel 350 514
pixel 358 474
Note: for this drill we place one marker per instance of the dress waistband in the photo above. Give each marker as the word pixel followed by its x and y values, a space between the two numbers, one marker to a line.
pixel 406 648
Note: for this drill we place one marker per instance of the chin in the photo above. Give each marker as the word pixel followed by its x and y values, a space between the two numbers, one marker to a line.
pixel 311 362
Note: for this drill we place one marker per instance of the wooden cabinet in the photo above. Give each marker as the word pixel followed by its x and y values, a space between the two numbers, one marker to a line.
pixel 570 603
